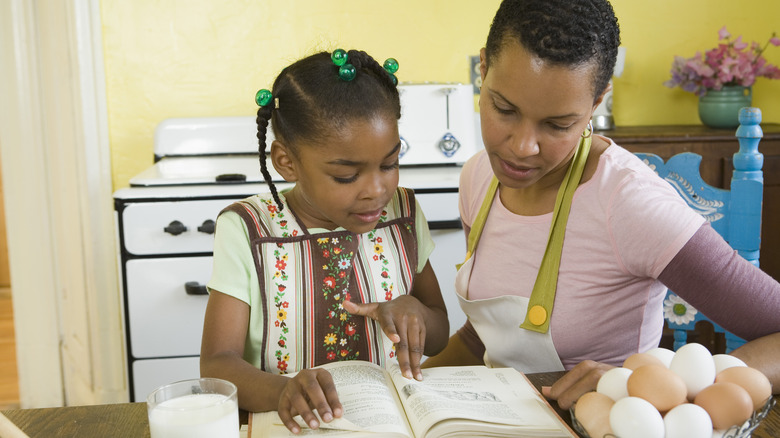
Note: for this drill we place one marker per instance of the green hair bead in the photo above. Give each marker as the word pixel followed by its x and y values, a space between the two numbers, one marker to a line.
pixel 347 72
pixel 263 97
pixel 391 65
pixel 339 57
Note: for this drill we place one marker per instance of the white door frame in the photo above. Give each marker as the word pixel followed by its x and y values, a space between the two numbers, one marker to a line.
pixel 59 210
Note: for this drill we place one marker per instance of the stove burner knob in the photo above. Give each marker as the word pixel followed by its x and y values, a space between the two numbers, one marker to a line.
pixel 404 147
pixel 448 145
pixel 207 227
pixel 195 288
pixel 175 228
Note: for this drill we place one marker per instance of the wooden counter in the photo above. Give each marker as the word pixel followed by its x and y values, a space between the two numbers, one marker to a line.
pixel 130 419
pixel 717 146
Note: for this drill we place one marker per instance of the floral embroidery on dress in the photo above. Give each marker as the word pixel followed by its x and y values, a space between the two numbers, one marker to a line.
pixel 387 285
pixel 342 333
pixel 279 217
pixel 281 302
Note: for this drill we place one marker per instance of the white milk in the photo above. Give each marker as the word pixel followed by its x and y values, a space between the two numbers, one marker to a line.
pixel 195 416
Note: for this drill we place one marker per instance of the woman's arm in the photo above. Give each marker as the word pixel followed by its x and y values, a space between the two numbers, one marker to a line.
pixel 713 278
pixel 221 356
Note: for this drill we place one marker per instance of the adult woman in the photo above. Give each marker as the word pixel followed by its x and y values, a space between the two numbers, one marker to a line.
pixel 568 220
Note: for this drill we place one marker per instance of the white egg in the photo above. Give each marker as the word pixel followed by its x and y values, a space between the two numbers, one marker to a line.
pixel 718 433
pixel 688 421
pixel 664 354
pixel 613 383
pixel 693 362
pixel 636 418
pixel 723 361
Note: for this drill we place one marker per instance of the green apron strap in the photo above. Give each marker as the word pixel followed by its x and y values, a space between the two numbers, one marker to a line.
pixel 540 304
pixel 479 221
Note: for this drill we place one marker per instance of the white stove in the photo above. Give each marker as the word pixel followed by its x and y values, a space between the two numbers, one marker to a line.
pixel 165 219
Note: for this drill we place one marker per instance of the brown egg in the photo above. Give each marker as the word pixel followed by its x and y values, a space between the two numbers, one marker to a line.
pixel 727 403
pixel 658 385
pixel 752 380
pixel 636 360
pixel 592 411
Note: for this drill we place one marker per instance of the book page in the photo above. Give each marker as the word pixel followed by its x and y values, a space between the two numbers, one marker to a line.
pixel 369 400
pixel 490 395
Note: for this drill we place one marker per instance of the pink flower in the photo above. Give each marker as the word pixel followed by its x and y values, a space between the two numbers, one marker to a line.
pixel 723 34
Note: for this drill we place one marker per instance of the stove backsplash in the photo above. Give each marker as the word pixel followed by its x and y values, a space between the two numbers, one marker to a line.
pixel 438 125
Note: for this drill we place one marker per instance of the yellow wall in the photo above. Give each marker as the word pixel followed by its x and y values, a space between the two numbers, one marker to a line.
pixel 187 58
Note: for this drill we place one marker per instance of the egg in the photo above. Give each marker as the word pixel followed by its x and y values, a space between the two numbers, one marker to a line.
pixel 636 418
pixel 752 380
pixel 727 403
pixel 693 362
pixel 613 383
pixel 592 411
pixel 723 361
pixel 636 360
pixel 665 355
pixel 687 421
pixel 658 385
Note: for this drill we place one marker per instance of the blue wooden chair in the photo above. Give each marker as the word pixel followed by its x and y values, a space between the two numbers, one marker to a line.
pixel 735 214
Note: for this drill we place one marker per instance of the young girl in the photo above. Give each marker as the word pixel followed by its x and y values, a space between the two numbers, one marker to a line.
pixel 334 268
pixel 543 293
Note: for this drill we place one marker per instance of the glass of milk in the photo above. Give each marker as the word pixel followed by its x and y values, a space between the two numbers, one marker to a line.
pixel 196 408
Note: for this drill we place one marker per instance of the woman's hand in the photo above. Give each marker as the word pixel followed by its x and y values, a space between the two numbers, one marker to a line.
pixel 581 379
pixel 310 389
pixel 403 321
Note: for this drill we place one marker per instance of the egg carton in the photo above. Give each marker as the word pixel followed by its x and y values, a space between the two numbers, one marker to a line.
pixel 743 431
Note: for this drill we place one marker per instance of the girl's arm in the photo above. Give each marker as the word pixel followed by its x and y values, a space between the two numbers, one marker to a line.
pixel 416 323
pixel 221 356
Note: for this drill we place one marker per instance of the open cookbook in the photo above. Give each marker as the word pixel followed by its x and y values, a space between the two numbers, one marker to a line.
pixel 463 401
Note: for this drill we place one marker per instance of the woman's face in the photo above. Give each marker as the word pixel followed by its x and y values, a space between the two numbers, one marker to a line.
pixel 345 181
pixel 533 115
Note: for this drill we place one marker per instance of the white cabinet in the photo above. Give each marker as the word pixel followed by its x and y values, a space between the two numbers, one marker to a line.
pixel 165 258
pixel 172 227
pixel 150 374
pixel 166 302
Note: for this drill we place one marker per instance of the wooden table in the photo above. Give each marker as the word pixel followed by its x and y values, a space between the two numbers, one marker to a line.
pixel 130 420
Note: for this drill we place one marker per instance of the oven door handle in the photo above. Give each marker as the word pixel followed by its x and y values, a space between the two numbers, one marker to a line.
pixel 195 288
pixel 445 225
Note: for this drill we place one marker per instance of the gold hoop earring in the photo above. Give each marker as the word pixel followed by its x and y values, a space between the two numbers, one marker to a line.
pixel 588 131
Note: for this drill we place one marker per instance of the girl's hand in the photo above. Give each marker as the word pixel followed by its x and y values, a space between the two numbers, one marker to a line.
pixel 581 379
pixel 309 389
pixel 402 320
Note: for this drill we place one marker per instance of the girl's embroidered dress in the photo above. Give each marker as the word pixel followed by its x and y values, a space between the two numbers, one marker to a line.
pixel 304 279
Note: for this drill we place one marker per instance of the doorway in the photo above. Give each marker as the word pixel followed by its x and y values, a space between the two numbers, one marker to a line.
pixel 9 376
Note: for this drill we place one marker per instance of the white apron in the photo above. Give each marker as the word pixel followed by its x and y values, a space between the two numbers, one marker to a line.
pixel 498 320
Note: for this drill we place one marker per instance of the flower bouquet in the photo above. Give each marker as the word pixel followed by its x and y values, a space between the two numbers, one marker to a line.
pixel 732 62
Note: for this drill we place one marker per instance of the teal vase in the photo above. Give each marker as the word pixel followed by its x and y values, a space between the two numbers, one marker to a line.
pixel 720 108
